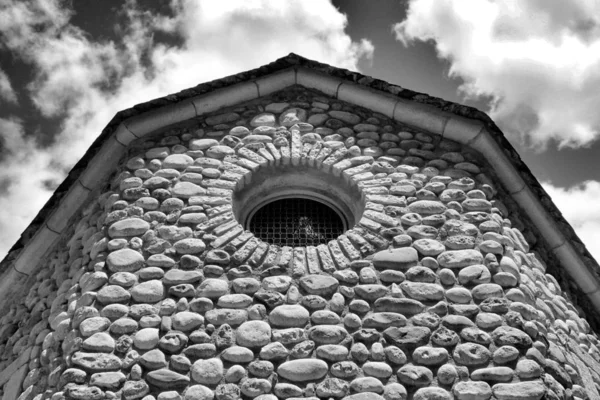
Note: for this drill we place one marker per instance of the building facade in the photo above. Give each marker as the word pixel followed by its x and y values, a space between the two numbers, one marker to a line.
pixel 300 231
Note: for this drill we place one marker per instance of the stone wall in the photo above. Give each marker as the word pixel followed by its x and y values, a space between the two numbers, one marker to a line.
pixel 157 292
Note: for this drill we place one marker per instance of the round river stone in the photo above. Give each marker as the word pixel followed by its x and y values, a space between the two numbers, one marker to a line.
pixel 207 372
pixel 125 260
pixel 289 316
pixel 148 292
pixel 187 321
pixel 128 227
pixel 253 334
pixel 303 370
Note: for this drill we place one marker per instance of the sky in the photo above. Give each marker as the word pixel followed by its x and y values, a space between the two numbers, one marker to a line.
pixel 67 67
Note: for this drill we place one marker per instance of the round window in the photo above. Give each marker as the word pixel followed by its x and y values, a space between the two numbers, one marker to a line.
pixel 296 222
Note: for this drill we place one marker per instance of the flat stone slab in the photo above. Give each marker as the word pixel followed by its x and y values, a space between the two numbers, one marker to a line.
pixel 399 305
pixel 167 379
pixel 530 390
pixel 179 276
pixel 382 320
pixel 396 259
pixel 96 362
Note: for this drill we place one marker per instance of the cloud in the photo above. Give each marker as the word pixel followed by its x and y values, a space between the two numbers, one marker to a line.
pixel 539 61
pixel 81 82
pixel 7 92
pixel 24 173
pixel 580 207
pixel 256 31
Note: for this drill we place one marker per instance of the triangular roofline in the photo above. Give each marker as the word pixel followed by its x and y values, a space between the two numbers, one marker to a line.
pixel 460 123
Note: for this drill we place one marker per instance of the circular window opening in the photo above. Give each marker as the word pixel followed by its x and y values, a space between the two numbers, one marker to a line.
pixel 296 222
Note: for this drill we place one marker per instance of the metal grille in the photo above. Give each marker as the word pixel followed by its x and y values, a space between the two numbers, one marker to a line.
pixel 296 222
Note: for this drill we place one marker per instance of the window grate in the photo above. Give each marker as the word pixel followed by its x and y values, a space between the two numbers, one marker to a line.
pixel 296 222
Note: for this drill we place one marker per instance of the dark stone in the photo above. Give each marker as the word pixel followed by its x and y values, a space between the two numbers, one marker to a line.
pixel 269 298
pixel 96 362
pixel 123 344
pixel 314 302
pixel 507 336
pixel 135 390
pixel 445 337
pixel 498 305
pixel 367 336
pixel 559 373
pixel 399 305
pixel 408 337
pixel 202 350
pixel 384 320
pixel 173 342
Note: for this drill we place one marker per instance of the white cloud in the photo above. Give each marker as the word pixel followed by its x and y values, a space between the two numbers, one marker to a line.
pixel 580 207
pixel 84 82
pixel 7 92
pixel 538 59
pixel 223 33
pixel 24 172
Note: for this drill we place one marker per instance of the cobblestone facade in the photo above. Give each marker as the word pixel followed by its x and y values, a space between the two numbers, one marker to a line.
pixel 158 292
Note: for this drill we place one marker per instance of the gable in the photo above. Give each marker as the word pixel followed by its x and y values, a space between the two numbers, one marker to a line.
pixel 444 244
pixel 433 115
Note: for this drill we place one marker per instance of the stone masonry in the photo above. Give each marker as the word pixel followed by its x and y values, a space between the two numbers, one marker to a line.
pixel 158 292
